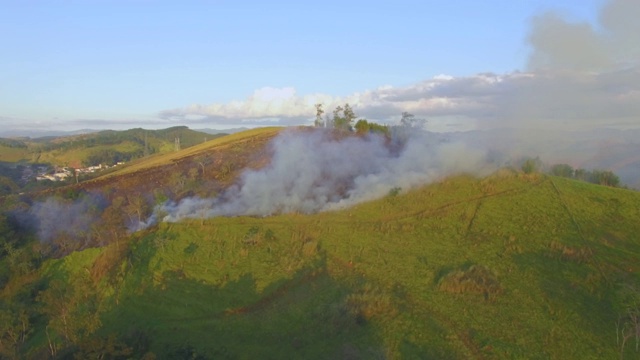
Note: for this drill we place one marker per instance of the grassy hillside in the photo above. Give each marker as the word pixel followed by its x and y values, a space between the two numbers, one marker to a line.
pixel 510 266
pixel 235 143
pixel 108 145
pixel 13 154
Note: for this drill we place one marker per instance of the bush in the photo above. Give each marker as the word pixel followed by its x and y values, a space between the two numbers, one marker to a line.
pixel 531 166
pixel 474 280
pixel 563 170
pixel 394 191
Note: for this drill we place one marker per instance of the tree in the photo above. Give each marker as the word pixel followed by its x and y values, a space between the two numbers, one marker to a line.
pixel 138 208
pixel 628 324
pixel 563 170
pixel 319 112
pixel 343 117
pixel 606 178
pixel 71 306
pixel 349 115
pixel 409 120
pixel 113 218
pixel 364 127
pixel 581 174
pixel 338 120
pixel 529 166
pixel 15 326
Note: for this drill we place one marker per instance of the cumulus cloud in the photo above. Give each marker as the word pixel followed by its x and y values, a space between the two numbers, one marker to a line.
pixel 577 75
pixel 542 98
pixel 265 104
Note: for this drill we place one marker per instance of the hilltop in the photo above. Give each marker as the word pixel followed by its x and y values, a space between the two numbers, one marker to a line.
pixel 502 265
pixel 23 159
pixel 107 146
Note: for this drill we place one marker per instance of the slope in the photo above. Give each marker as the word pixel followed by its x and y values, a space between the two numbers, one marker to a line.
pixel 509 266
pixel 107 146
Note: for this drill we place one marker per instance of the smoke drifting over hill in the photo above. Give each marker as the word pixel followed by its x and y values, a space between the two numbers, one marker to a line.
pixel 578 102
pixel 70 219
pixel 313 171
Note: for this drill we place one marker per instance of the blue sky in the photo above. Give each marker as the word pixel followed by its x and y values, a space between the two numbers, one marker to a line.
pixel 120 64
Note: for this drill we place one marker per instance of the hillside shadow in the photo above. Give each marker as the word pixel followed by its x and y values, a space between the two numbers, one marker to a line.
pixel 306 316
pixel 571 288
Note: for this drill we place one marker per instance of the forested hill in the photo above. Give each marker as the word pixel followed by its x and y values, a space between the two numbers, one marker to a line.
pixel 108 146
pixel 111 146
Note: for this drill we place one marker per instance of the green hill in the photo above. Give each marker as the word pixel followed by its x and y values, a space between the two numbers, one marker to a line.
pixel 508 266
pixel 21 160
pixel 106 146
pixel 110 146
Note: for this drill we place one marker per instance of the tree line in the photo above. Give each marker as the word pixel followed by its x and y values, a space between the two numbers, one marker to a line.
pixel 600 177
pixel 343 118
pixel 596 176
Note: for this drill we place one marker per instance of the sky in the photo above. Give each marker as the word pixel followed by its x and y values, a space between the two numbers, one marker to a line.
pixel 98 64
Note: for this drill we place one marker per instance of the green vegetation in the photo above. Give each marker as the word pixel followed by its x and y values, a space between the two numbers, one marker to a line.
pixel 600 177
pixel 109 147
pixel 22 159
pixel 515 265
pixel 342 119
pixel 510 266
pixel 364 127
pixel 222 143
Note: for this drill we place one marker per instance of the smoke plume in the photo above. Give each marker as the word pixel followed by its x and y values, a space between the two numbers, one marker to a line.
pixel 72 220
pixel 314 171
pixel 611 44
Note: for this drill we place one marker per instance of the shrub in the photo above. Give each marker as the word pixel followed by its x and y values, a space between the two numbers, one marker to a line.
pixel 370 302
pixel 567 253
pixel 474 280
pixel 531 165
pixel 563 170
pixel 395 191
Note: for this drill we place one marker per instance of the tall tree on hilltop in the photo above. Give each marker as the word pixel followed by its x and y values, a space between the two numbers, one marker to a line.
pixel 319 112
pixel 343 117
pixel 409 120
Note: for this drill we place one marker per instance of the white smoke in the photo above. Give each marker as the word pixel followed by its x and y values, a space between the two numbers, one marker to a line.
pixel 55 217
pixel 314 171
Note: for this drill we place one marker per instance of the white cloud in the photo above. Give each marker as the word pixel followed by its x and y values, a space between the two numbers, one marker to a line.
pixel 579 75
pixel 543 98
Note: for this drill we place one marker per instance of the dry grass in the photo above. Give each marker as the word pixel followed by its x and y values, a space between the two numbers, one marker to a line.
pixel 474 280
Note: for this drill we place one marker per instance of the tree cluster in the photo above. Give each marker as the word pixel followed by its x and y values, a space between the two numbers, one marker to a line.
pixel 364 127
pixel 111 156
pixel 13 143
pixel 342 117
pixel 600 177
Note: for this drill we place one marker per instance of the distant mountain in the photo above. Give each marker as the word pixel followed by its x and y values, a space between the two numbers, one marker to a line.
pixel 226 131
pixel 99 147
pixel 35 134
pixel 9 133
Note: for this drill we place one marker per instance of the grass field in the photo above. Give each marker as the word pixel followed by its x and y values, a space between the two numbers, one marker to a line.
pixel 219 142
pixel 510 266
pixel 13 154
